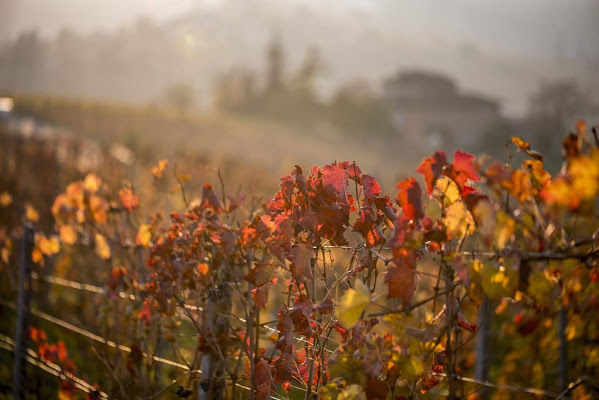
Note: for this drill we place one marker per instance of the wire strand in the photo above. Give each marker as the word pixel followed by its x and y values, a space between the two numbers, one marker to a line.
pixel 50 367
pixel 93 336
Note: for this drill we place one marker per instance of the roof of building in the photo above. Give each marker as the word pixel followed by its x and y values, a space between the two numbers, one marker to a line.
pixel 436 90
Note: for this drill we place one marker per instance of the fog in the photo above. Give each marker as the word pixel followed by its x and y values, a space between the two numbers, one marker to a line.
pixel 519 43
pixel 403 77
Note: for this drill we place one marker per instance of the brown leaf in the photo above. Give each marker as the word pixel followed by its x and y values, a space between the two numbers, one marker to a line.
pixel 260 295
pixel 263 379
pixel 401 280
pixel 301 259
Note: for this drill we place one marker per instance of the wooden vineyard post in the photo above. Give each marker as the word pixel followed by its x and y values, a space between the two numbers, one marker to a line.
pixel 562 321
pixel 23 299
pixel 212 384
pixel 481 366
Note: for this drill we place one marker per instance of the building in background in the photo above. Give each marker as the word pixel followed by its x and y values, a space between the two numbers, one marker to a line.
pixel 431 113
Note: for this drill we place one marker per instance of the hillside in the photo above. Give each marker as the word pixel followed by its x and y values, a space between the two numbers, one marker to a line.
pixel 221 140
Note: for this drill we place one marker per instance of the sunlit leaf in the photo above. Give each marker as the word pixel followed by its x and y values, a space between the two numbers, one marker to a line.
pixel 102 247
pixel 352 392
pixel 431 168
pixel 92 182
pixel 5 199
pixel 498 281
pixel 540 289
pixel 446 191
pixel 352 304
pixel 159 168
pixel 67 234
pixel 457 220
pixel 31 214
pixel 48 246
pixel 143 235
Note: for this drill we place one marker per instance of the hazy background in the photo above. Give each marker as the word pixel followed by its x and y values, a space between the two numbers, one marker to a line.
pixel 280 82
pixel 503 48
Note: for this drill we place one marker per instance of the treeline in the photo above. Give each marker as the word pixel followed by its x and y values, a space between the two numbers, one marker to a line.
pixel 292 96
pixel 155 63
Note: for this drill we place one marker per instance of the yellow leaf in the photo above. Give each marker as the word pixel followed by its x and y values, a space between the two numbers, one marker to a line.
pixel 158 169
pixel 5 199
pixel 539 177
pixel 68 234
pixel 92 182
pixel 446 190
pixel 102 248
pixel 558 191
pixel 352 304
pixel 411 367
pixel 47 246
pixel 352 392
pixel 31 213
pixel 575 328
pixel 484 214
pixel 521 144
pixel 5 253
pixel 143 235
pixel 458 221
pixel 505 226
pixel 584 173
pixel 540 289
pixel 498 282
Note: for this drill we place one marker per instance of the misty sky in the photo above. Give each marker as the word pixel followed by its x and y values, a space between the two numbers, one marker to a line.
pixel 527 41
pixel 547 28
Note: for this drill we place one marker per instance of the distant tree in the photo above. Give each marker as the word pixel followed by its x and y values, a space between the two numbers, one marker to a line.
pixel 358 110
pixel 311 67
pixel 26 62
pixel 275 58
pixel 552 111
pixel 235 90
pixel 181 96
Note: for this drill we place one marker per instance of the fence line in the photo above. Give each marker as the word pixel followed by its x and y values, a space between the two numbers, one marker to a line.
pixel 93 336
pixel 55 280
pixel 90 335
pixel 512 388
pixel 98 290
pixel 50 367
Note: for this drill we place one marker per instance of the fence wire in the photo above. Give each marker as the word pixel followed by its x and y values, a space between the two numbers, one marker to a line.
pixel 50 367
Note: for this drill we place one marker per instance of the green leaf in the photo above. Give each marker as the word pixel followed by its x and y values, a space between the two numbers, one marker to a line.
pixel 352 304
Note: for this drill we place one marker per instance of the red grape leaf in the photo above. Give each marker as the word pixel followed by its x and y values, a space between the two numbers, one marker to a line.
pixel 371 187
pixel 401 279
pixel 431 168
pixel 462 168
pixel 262 273
pixel 410 198
pixel 209 199
pixel 301 260
pixel 301 314
pixel 335 178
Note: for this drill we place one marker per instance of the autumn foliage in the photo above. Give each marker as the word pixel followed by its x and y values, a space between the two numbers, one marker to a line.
pixel 335 290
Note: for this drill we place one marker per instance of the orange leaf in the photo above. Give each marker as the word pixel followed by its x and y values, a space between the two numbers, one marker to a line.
pixel 102 248
pixel 143 235
pixel 31 213
pixel 67 234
